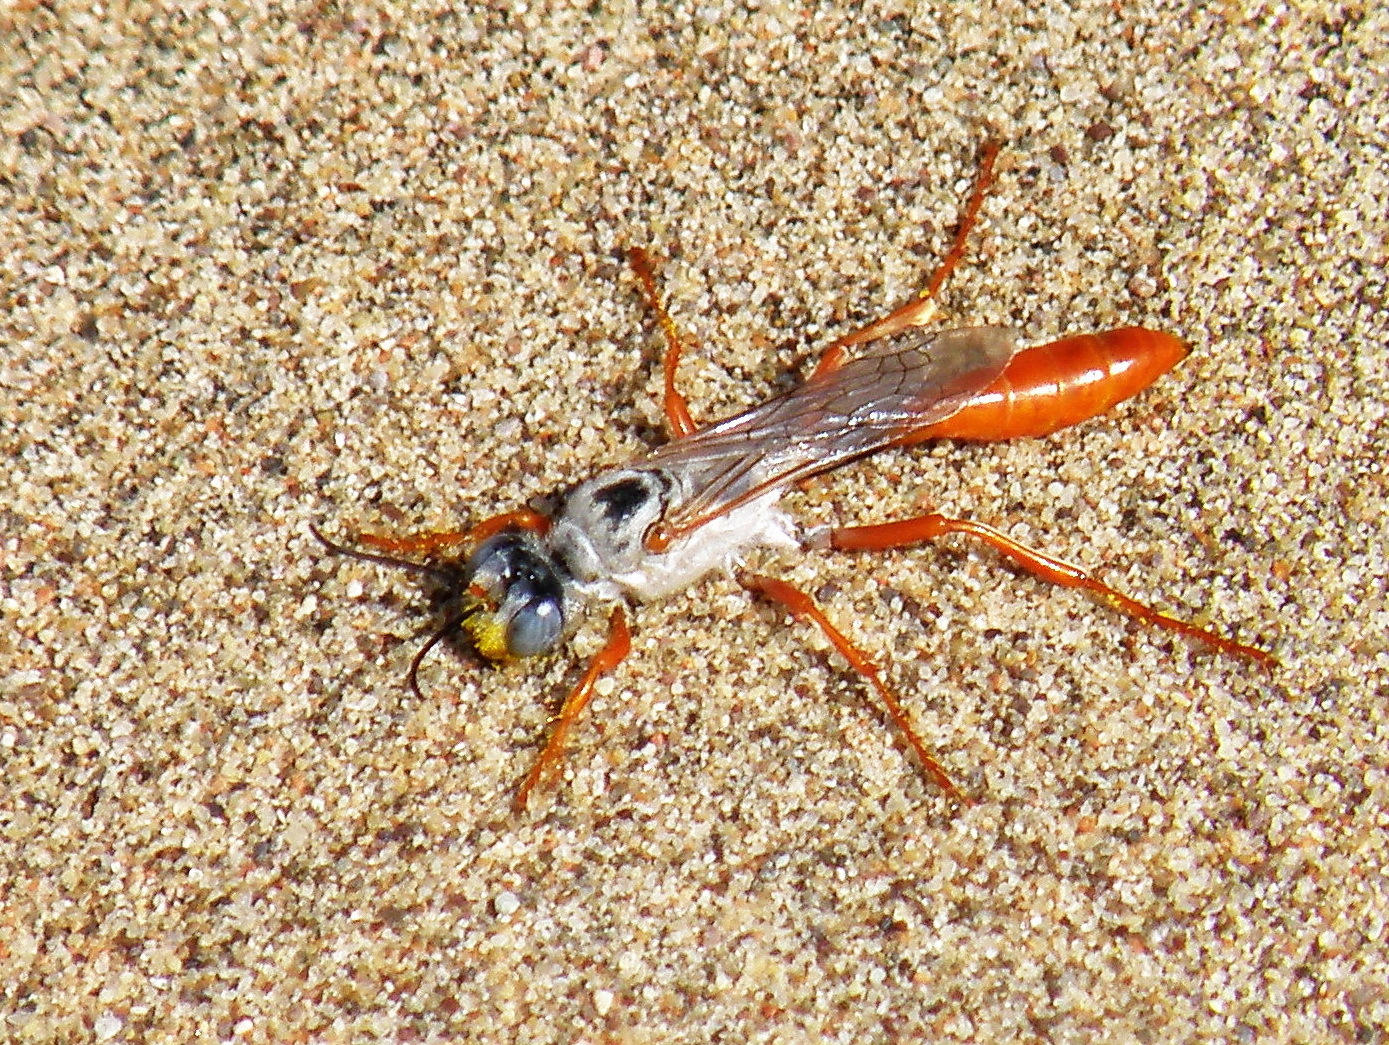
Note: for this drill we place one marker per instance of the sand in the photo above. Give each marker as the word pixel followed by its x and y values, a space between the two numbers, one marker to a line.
pixel 362 266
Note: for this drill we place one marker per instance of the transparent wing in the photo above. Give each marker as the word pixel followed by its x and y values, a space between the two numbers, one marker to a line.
pixel 897 386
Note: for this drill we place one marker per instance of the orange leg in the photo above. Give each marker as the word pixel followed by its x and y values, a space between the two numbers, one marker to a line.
pixel 613 653
pixel 433 543
pixel 921 309
pixel 982 181
pixel 802 607
pixel 1039 564
pixel 678 418
pixel 421 544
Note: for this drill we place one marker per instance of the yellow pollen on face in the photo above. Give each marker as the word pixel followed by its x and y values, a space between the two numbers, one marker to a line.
pixel 488 634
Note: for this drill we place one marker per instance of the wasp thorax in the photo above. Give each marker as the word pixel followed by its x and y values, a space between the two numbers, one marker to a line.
pixel 601 528
pixel 514 605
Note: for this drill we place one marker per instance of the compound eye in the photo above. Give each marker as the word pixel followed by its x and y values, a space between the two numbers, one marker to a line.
pixel 535 628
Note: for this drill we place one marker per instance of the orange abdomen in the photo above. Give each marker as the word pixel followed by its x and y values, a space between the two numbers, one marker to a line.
pixel 1063 383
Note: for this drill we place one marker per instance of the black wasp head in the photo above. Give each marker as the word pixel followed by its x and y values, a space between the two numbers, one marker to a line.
pixel 514 603
pixel 510 598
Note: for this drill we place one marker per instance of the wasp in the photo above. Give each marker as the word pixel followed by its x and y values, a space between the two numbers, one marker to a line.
pixel 519 582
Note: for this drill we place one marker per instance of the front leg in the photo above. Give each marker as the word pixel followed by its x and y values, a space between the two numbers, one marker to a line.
pixel 613 653
pixel 438 541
